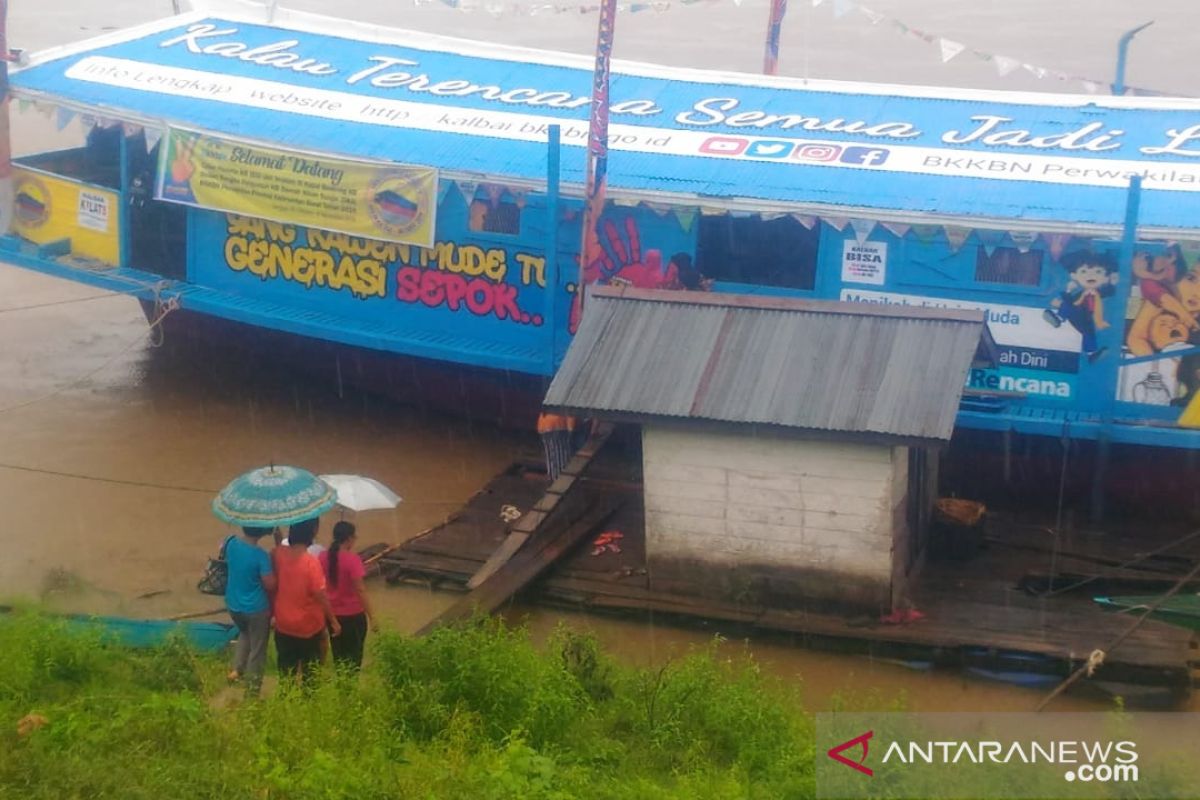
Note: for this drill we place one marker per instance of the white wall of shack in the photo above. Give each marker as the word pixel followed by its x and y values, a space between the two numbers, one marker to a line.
pixel 727 498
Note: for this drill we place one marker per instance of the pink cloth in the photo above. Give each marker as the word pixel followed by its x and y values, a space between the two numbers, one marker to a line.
pixel 343 599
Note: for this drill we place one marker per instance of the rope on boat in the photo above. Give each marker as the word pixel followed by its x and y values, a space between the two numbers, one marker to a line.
pixel 1096 659
pixel 1111 570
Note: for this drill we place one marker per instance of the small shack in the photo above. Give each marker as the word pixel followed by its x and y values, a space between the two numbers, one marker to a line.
pixel 789 446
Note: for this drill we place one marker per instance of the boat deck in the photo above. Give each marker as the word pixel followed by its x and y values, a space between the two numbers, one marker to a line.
pixel 975 613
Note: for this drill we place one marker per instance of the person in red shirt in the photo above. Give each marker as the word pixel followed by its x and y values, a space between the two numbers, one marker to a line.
pixel 300 605
pixel 344 573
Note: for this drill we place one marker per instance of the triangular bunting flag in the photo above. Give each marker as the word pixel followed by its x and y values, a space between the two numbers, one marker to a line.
pixel 1005 65
pixel 862 228
pixel 837 223
pixel 661 209
pixel 874 16
pixel 806 220
pixel 767 216
pixel 957 237
pixel 710 211
pixel 153 136
pixel 63 117
pixel 1040 72
pixel 842 7
pixel 686 217
pixel 926 233
pixel 45 109
pixel 1091 87
pixel 1056 243
pixel 898 229
pixel 468 189
pixel 990 240
pixel 1022 239
pixel 817 3
pixel 950 49
pixel 130 128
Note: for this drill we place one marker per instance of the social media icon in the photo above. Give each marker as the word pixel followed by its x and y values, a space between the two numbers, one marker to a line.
pixel 870 156
pixel 724 145
pixel 817 152
pixel 769 148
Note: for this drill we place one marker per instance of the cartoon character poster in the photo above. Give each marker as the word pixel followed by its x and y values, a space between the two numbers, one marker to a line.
pixel 1092 277
pixel 1160 364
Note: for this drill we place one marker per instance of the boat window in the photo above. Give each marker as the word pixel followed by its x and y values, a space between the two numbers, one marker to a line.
pixel 1009 265
pixel 495 217
pixel 777 252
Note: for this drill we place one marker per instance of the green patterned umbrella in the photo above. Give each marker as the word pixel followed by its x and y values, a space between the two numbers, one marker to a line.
pixel 270 496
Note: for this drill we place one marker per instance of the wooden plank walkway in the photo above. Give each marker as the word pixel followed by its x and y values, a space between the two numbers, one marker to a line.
pixel 974 612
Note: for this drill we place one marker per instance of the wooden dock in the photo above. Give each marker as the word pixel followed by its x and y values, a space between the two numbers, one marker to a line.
pixel 974 613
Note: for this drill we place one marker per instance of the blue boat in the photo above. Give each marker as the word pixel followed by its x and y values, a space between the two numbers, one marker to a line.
pixel 466 294
pixel 140 633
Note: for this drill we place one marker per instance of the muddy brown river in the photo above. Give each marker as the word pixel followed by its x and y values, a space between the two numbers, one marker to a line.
pixel 111 448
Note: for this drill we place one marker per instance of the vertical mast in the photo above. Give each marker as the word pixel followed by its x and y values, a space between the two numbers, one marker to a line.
pixel 597 151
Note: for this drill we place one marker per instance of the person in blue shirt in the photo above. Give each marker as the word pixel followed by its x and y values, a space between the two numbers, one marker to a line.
pixel 247 596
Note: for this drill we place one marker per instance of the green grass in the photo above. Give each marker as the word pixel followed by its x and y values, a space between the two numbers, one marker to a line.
pixel 476 712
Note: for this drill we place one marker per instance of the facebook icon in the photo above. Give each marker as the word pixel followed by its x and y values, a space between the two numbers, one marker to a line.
pixel 868 156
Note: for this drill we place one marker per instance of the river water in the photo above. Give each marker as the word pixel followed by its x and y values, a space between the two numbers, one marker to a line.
pixel 110 448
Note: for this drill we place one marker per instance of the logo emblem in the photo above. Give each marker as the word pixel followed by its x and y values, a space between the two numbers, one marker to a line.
pixel 395 204
pixel 869 156
pixel 724 146
pixel 770 148
pixel 858 741
pixel 31 202
pixel 818 152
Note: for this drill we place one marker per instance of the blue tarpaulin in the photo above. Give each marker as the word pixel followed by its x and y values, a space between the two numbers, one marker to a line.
pixel 479 110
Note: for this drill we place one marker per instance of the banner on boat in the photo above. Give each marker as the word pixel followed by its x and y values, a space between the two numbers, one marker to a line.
pixel 387 202
pixel 50 208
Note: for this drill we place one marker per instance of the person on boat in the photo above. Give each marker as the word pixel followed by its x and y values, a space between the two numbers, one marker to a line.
pixel 344 573
pixel 302 610
pixel 250 582
pixel 555 431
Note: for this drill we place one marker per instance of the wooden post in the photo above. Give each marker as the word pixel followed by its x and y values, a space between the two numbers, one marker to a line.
pixel 6 183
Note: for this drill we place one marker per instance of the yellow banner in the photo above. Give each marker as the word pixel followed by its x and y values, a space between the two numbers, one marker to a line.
pixel 49 208
pixel 394 203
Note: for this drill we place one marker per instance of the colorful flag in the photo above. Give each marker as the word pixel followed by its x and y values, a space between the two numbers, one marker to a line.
pixel 771 57
pixel 597 151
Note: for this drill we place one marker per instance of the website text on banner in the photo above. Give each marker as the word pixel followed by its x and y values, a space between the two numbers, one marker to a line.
pixel 393 203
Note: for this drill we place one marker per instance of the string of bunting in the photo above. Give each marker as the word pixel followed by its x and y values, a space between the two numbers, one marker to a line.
pixel 947 49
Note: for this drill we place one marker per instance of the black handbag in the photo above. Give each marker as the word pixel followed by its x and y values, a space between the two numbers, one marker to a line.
pixel 216 575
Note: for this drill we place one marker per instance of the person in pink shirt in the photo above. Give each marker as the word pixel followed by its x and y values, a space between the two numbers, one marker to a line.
pixel 344 572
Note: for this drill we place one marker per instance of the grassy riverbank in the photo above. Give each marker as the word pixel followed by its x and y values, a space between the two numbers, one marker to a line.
pixel 477 712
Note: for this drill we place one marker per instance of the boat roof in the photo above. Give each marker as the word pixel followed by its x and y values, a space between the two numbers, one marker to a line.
pixel 479 110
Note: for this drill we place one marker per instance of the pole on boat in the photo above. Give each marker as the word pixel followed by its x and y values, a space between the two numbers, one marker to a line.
pixel 550 315
pixel 1118 86
pixel 6 184
pixel 774 26
pixel 597 151
pixel 1133 202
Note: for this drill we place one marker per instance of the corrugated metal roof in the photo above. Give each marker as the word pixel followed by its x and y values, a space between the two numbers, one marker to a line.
pixel 821 366
pixel 479 109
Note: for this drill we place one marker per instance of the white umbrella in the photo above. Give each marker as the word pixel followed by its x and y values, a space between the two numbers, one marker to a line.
pixel 359 493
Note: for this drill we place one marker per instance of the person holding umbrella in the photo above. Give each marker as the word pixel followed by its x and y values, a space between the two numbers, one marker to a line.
pixel 248 587
pixel 274 496
pixel 344 573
